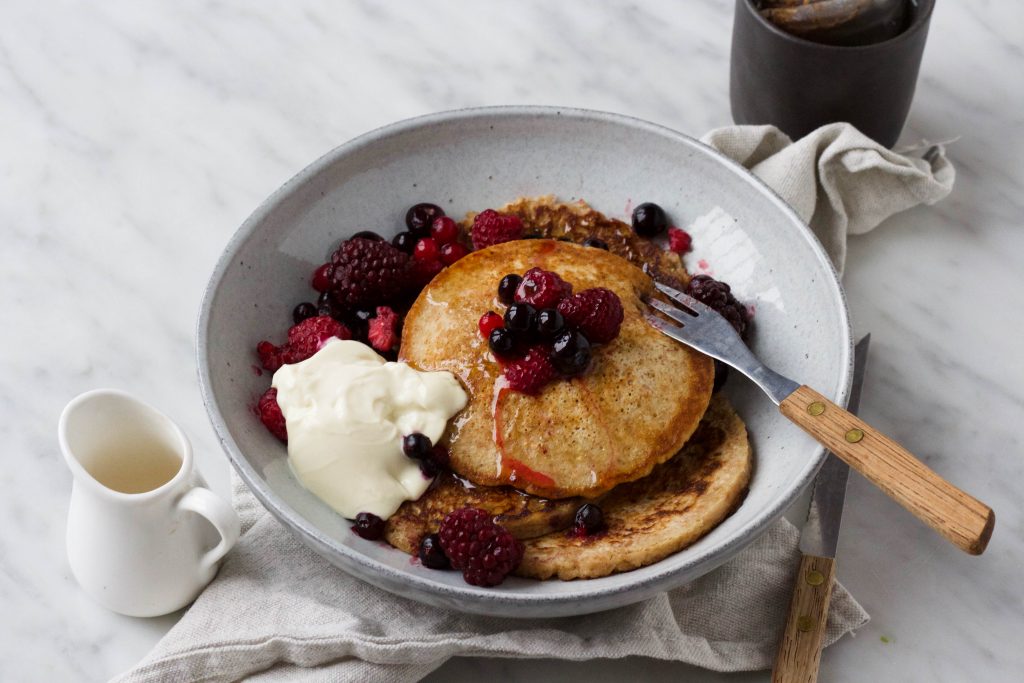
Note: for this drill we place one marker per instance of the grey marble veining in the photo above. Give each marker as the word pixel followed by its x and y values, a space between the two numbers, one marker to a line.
pixel 136 136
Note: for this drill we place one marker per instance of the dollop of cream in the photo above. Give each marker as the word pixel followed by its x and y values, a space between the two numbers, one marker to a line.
pixel 347 410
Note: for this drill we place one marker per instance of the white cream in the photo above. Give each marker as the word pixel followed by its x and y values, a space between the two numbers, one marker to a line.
pixel 347 410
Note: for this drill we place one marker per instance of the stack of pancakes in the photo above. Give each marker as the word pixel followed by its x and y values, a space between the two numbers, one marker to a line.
pixel 640 435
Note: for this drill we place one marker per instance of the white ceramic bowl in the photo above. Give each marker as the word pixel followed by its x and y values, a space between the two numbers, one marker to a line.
pixel 478 158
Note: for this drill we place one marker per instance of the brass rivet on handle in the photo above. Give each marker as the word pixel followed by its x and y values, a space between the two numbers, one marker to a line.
pixel 815 578
pixel 804 624
pixel 816 408
pixel 854 435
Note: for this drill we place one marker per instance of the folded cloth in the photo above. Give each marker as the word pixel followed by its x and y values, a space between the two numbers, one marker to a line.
pixel 278 611
pixel 836 178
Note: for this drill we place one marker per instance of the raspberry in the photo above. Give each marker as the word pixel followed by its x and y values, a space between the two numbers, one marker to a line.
pixel 597 313
pixel 542 289
pixel 383 332
pixel 530 373
pixel 679 241
pixel 304 340
pixel 718 295
pixel 485 552
pixel 491 227
pixel 271 415
pixel 368 273
pixel 489 321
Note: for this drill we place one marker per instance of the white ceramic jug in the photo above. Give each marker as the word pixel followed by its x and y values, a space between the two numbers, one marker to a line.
pixel 139 536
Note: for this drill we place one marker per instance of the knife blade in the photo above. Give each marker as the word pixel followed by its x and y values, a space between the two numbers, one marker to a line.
pixel 820 534
pixel 799 653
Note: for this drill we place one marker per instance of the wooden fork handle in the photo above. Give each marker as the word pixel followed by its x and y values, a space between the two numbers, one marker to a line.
pixel 963 520
pixel 799 653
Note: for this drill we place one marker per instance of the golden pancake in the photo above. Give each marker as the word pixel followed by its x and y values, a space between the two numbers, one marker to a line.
pixel 635 409
pixel 672 507
pixel 666 511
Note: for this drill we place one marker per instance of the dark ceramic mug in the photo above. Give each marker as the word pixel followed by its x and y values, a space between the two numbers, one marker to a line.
pixel 799 85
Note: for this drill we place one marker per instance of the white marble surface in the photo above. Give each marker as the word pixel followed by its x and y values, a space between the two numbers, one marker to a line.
pixel 136 136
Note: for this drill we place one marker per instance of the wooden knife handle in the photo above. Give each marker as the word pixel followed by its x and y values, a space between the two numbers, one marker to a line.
pixel 963 520
pixel 800 648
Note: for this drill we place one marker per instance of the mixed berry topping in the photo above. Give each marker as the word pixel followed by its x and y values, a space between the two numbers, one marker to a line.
pixel 546 330
pixel 322 277
pixel 432 554
pixel 489 322
pixel 271 415
pixel 368 273
pixel 369 526
pixel 452 252
pixel 570 352
pixel 718 295
pixel 549 323
pixel 404 241
pixel 304 340
pixel 491 227
pixel 597 313
pixel 485 552
pixel 542 288
pixel 420 217
pixel 507 288
pixel 382 332
pixel 501 341
pixel 427 250
pixel 679 241
pixel 444 230
pixel 303 311
pixel 417 446
pixel 589 521
pixel 531 372
pixel 649 220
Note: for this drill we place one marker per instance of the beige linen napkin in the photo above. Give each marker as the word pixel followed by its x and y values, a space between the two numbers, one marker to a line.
pixel 278 611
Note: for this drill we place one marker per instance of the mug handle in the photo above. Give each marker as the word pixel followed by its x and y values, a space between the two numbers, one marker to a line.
pixel 206 503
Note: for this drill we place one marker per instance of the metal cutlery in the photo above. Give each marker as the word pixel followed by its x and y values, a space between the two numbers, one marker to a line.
pixel 960 518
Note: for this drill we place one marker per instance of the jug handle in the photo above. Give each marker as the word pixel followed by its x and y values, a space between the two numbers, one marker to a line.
pixel 206 503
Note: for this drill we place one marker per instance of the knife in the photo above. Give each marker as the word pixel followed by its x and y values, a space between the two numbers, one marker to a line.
pixel 799 653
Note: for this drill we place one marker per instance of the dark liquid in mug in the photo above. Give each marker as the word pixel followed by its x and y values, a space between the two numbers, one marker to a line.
pixel 840 22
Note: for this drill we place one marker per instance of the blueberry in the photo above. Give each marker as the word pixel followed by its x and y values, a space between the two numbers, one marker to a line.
pixel 303 311
pixel 596 243
pixel 501 341
pixel 417 446
pixel 649 220
pixel 404 241
pixel 431 554
pixel 589 520
pixel 570 352
pixel 368 235
pixel 368 526
pixel 325 304
pixel 507 288
pixel 549 323
pixel 420 217
pixel 520 319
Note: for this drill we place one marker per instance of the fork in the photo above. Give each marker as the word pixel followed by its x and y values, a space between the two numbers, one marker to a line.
pixel 960 518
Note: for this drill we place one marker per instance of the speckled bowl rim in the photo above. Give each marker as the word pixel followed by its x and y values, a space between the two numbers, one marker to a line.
pixel 488 600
